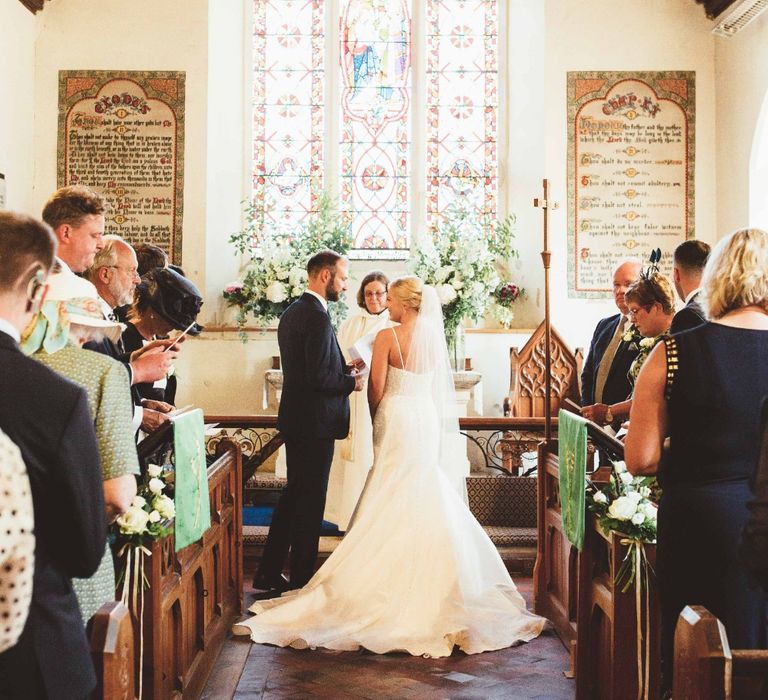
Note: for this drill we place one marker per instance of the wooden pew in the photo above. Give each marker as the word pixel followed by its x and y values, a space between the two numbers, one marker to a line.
pixel 194 595
pixel 706 668
pixel 112 643
pixel 576 591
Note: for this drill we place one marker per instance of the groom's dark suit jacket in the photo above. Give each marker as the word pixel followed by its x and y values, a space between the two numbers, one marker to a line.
pixel 48 417
pixel 316 385
pixel 690 316
pixel 617 387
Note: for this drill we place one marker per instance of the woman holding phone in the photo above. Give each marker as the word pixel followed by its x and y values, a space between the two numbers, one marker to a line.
pixel 163 302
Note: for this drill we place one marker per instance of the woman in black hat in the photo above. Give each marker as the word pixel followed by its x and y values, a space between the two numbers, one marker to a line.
pixel 164 301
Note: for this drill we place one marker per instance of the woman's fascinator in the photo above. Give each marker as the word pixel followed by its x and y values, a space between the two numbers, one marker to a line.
pixel 70 299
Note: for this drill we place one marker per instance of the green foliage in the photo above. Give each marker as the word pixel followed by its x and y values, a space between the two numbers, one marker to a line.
pixel 275 275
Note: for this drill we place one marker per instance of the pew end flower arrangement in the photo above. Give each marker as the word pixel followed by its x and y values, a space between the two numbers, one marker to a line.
pixel 464 256
pixel 149 517
pixel 275 275
pixel 628 506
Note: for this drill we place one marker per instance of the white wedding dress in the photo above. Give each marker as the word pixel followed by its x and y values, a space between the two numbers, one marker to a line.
pixel 415 572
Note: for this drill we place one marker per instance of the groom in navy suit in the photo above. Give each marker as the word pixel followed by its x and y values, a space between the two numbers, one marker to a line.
pixel 314 413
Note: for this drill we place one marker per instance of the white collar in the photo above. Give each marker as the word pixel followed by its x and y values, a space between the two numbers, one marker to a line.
pixel 8 328
pixel 322 300
pixel 692 294
pixel 63 267
pixel 106 309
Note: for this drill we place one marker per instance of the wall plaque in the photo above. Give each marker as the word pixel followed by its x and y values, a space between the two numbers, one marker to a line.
pixel 631 147
pixel 122 133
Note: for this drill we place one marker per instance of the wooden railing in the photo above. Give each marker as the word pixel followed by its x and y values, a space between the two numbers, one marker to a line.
pixel 497 433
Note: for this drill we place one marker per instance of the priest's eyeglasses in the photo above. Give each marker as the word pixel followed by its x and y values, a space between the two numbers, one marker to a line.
pixel 371 295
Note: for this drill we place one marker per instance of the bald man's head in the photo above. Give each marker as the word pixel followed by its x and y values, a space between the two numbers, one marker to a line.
pixel 626 274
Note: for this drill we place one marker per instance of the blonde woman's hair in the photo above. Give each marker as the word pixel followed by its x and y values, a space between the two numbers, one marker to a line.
pixel 736 274
pixel 407 289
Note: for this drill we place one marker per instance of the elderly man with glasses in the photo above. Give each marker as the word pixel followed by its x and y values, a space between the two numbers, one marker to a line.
pixel 115 275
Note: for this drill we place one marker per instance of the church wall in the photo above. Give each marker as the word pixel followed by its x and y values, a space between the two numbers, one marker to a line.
pixel 742 87
pixel 137 35
pixel 17 122
pixel 209 41
pixel 618 35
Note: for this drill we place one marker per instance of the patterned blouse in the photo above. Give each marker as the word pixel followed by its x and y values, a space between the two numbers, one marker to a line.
pixel 17 543
pixel 109 398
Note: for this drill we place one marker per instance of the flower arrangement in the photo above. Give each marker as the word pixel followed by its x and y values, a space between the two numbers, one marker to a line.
pixel 275 274
pixel 627 505
pixel 643 346
pixel 504 297
pixel 150 515
pixel 462 257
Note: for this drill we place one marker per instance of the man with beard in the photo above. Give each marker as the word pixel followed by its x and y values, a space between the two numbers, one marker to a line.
pixel 114 273
pixel 314 413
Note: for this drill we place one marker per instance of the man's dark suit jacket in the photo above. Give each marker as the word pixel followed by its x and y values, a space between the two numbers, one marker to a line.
pixel 617 387
pixel 316 384
pixel 690 316
pixel 48 417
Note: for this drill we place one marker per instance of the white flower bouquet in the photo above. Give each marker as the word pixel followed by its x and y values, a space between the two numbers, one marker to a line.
pixel 627 505
pixel 275 274
pixel 463 258
pixel 150 515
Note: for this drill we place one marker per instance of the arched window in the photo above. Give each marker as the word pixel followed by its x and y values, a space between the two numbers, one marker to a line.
pixel 390 104
pixel 758 172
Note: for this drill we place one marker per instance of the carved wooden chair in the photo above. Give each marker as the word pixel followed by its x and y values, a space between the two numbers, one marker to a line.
pixel 527 384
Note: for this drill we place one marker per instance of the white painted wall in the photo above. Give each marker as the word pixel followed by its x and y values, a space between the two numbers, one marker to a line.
pixel 620 35
pixel 17 115
pixel 136 35
pixel 742 86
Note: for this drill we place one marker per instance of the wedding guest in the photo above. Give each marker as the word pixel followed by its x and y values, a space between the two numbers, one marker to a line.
pixel 114 274
pixel 704 388
pixel 47 417
pixel 604 378
pixel 353 456
pixel 17 551
pixel 687 269
pixel 70 316
pixel 76 215
pixel 149 257
pixel 650 306
pixel 164 301
pixel 754 546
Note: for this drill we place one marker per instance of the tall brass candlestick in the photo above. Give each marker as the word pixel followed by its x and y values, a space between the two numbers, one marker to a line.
pixel 546 255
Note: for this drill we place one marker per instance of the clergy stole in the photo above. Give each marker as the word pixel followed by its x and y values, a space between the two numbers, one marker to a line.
pixel 193 514
pixel 572 455
pixel 607 360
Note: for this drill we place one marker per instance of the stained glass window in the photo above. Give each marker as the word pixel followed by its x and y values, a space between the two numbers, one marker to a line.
pixel 288 107
pixel 368 114
pixel 462 104
pixel 375 122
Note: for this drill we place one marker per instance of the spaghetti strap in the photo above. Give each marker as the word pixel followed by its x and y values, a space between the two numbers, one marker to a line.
pixel 402 361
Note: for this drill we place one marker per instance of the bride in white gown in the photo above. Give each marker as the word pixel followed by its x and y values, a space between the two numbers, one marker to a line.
pixel 415 572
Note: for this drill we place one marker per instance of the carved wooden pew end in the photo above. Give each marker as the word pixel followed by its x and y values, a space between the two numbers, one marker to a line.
pixel 707 668
pixel 112 651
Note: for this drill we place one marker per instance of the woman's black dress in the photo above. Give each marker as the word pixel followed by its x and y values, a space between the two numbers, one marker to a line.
pixel 714 399
pixel 133 340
